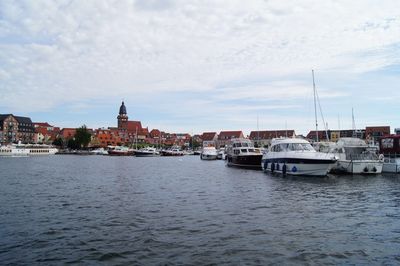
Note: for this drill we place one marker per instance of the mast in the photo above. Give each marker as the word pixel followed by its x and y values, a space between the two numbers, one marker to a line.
pixel 315 107
pixel 258 133
pixel 353 122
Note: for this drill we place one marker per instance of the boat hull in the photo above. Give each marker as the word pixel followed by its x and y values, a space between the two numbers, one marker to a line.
pixel 146 154
pixel 245 161
pixel 358 167
pixel 205 156
pixel 298 167
pixel 391 165
pixel 120 153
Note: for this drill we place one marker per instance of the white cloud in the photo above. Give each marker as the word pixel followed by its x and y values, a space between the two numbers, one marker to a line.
pixel 65 51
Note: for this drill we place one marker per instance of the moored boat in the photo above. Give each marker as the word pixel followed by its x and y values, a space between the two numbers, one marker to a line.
pixel 355 156
pixel 389 146
pixel 209 153
pixel 27 150
pixel 121 151
pixel 294 156
pixel 147 152
pixel 172 152
pixel 241 153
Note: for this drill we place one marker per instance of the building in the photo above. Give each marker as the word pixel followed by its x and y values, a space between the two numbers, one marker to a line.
pixel 374 133
pixel 225 136
pixel 397 131
pixel 263 138
pixel 45 133
pixel 130 131
pixel 209 139
pixel 15 129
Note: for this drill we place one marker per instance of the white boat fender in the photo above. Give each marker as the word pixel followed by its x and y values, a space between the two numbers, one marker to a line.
pixel 374 169
pixel 365 169
pixel 381 157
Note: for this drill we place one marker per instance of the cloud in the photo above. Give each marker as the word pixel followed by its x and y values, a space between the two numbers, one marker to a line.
pixel 63 52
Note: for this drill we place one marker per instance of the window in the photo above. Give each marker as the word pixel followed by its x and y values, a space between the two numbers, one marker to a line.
pixel 243 150
pixel 387 143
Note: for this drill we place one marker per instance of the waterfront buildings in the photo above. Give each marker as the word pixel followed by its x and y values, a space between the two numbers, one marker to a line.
pixel 209 139
pixel 263 138
pixel 16 128
pixel 225 136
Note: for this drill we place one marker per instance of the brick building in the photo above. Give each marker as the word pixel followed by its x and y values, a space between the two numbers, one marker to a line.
pixel 16 128
pixel 225 136
pixel 264 137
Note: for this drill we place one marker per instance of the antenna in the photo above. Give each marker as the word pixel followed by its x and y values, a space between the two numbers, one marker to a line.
pixel 315 107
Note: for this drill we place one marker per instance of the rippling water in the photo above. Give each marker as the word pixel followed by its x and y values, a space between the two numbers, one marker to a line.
pixel 127 211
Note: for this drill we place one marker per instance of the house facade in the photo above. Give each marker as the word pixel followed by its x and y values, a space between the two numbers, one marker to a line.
pixel 263 138
pixel 16 128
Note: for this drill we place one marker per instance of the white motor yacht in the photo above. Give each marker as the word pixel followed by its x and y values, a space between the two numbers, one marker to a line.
pixel 100 151
pixel 209 153
pixel 294 156
pixel 355 156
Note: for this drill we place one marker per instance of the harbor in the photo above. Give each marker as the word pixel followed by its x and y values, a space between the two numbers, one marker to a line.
pixel 183 210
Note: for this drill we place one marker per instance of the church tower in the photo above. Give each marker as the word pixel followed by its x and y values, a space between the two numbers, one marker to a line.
pixel 122 117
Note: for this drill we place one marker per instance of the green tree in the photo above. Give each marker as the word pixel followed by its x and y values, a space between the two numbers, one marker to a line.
pixel 58 142
pixel 82 137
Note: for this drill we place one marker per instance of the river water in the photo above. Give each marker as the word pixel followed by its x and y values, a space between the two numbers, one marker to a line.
pixel 94 210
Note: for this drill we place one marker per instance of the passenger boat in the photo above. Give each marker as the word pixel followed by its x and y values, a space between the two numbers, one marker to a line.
pixel 17 150
pixel 294 156
pixel 121 151
pixel 389 146
pixel 355 156
pixel 241 153
pixel 147 152
pixel 209 153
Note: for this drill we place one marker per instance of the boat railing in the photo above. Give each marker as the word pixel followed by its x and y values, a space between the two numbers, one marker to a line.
pixel 363 156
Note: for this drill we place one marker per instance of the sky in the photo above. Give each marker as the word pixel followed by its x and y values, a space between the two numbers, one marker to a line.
pixel 195 66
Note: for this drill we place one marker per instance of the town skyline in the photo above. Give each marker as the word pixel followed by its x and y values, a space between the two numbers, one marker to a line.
pixel 195 67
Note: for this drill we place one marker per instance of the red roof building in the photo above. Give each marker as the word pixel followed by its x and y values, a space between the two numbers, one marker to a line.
pixel 225 136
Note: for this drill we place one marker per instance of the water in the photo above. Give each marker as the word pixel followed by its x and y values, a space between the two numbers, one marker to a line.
pixel 94 210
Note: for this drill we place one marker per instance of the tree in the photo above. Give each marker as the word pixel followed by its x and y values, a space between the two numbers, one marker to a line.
pixel 82 137
pixel 58 142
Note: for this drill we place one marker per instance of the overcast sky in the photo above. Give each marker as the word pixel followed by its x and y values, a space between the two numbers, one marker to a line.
pixel 194 66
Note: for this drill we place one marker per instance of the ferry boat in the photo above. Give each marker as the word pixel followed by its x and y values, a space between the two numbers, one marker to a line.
pixel 147 152
pixel 121 151
pixel 294 156
pixel 209 153
pixel 355 156
pixel 389 146
pixel 241 153
pixel 16 150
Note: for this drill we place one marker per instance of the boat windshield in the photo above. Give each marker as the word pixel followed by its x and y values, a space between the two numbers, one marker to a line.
pixel 293 147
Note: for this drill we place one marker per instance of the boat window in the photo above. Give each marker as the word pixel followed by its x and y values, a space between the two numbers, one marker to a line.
pixel 234 145
pixel 236 151
pixel 251 150
pixel 243 150
pixel 244 144
pixel 238 145
pixel 387 143
pixel 307 147
pixel 284 146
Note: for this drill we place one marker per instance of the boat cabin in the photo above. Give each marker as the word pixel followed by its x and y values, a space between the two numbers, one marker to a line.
pixel 390 145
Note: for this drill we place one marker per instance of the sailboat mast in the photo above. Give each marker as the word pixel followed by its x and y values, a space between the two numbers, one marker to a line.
pixel 315 107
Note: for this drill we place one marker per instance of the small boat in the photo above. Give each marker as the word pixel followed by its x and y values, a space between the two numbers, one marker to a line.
pixel 389 146
pixel 172 152
pixel 209 153
pixel 292 156
pixel 241 153
pixel 355 156
pixel 18 150
pixel 100 151
pixel 221 154
pixel 147 152
pixel 121 151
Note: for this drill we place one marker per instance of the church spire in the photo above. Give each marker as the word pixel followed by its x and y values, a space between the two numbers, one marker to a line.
pixel 122 109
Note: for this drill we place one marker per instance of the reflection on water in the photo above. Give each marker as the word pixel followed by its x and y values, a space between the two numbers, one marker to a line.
pixel 88 210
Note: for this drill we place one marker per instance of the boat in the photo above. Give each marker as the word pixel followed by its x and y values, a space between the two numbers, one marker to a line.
pixel 174 151
pixel 100 151
pixel 389 146
pixel 17 150
pixel 121 151
pixel 294 156
pixel 241 153
pixel 355 156
pixel 147 152
pixel 221 154
pixel 209 153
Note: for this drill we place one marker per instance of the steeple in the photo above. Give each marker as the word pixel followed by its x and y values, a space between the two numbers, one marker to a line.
pixel 122 109
pixel 122 117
